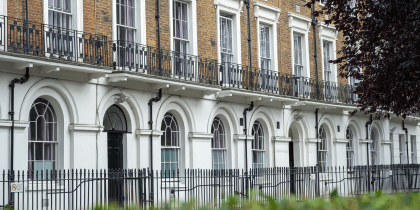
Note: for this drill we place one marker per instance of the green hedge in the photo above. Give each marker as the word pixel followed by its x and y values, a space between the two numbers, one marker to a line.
pixel 334 202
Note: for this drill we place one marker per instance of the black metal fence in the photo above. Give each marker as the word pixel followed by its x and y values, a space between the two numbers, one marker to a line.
pixel 85 189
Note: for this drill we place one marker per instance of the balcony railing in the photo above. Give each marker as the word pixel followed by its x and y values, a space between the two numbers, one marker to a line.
pixel 79 47
pixel 52 42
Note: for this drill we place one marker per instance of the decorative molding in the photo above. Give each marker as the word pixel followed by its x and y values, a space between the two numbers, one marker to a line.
pixel 144 132
pixel 265 11
pixel 327 31
pixel 299 22
pixel 281 139
pixel 238 137
pixel 341 140
pixel 200 135
pixel 308 140
pixel 18 124
pixel 89 128
pixel 228 4
pixel 386 142
pixel 361 141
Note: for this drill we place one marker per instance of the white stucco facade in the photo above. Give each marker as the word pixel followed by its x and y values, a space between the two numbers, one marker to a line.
pixel 80 104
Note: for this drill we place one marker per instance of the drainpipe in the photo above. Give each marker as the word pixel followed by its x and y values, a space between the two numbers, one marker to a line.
pixel 151 124
pixel 367 148
pixel 156 99
pixel 317 149
pixel 27 28
pixel 158 31
pixel 406 139
pixel 12 118
pixel 247 2
pixel 314 23
pixel 246 141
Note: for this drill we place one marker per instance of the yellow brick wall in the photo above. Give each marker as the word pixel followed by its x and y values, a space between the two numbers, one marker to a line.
pixel 206 27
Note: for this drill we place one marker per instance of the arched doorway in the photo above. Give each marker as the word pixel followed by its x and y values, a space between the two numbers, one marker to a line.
pixel 294 160
pixel 115 125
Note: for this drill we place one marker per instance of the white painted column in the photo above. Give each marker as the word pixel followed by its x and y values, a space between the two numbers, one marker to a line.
pixel 84 151
pixel 281 151
pixel 363 148
pixel 240 150
pixel 143 150
pixel 201 156
pixel 341 152
pixel 20 149
pixel 386 152
pixel 312 152
pixel 418 142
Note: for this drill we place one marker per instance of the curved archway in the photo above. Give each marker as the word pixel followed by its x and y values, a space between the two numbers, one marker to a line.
pixel 295 154
pixel 350 145
pixel 115 125
pixel 258 145
pixel 170 144
pixel 184 128
pixel 50 89
pixel 231 127
pixel 218 144
pixel 323 147
pixel 374 146
pixel 42 137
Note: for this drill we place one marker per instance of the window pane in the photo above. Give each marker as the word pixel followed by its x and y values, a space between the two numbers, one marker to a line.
pixel 38 151
pixel 31 151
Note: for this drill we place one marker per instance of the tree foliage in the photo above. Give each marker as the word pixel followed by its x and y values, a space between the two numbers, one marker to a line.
pixel 381 50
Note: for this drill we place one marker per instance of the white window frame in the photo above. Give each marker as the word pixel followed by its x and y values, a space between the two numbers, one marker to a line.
pixel 351 141
pixel 177 147
pixel 139 22
pixel 54 142
pixel 327 33
pixel 323 150
pixel 299 24
pixel 223 150
pixel 267 15
pixel 373 150
pixel 391 137
pixel 3 4
pixel 401 145
pixel 259 150
pixel 76 13
pixel 192 26
pixel 226 19
pixel 233 8
pixel 413 145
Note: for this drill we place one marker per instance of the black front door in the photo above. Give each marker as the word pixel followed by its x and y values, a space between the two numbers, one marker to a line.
pixel 115 151
pixel 115 166
pixel 292 170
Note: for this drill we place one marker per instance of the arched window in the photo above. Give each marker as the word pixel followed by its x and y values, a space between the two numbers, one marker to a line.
pixel 170 144
pixel 373 146
pixel 350 147
pixel 218 144
pixel 323 147
pixel 42 137
pixel 115 120
pixel 257 145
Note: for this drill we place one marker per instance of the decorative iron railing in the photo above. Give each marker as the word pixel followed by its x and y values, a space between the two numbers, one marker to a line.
pixel 79 47
pixel 85 189
pixel 52 42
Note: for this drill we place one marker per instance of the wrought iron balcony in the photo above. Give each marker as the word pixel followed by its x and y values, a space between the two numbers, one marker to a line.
pixel 72 46
pixel 52 42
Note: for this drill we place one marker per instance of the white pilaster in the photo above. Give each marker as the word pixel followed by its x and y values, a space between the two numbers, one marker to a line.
pixel 201 150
